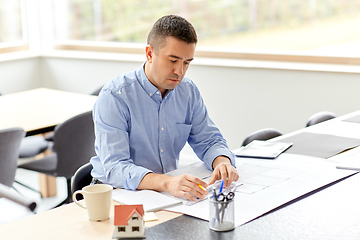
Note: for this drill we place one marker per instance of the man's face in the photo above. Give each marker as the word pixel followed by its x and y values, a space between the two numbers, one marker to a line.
pixel 166 68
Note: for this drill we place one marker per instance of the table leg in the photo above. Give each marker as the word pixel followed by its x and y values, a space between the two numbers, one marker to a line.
pixel 47 185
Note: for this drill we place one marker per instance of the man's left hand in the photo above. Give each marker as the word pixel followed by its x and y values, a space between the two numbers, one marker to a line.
pixel 223 170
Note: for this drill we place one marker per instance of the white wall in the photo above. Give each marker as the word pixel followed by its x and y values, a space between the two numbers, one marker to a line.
pixel 79 75
pixel 19 75
pixel 240 100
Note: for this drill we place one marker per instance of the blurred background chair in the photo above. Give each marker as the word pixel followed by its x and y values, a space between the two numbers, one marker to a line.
pixel 10 140
pixel 81 178
pixel 262 134
pixel 32 146
pixel 73 147
pixel 6 192
pixel 320 117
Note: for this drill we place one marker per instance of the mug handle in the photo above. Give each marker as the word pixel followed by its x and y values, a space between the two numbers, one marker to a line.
pixel 75 200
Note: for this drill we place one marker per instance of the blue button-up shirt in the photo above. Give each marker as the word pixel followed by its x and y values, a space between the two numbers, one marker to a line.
pixel 137 131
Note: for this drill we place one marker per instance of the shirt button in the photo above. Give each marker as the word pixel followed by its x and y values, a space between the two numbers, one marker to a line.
pixel 162 129
pixel 161 150
pixel 150 94
pixel 158 92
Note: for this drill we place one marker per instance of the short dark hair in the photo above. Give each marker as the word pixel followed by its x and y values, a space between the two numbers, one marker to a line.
pixel 171 25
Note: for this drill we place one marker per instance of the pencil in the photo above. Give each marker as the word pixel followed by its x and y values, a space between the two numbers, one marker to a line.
pixel 201 187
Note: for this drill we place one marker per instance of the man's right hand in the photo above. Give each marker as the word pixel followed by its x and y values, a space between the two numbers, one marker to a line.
pixel 185 186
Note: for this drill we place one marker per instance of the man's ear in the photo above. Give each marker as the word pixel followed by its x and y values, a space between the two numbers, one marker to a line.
pixel 149 53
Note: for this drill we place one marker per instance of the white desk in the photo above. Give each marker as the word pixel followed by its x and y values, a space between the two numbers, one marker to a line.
pixel 40 110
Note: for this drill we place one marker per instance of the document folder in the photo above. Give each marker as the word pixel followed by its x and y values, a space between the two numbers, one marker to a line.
pixel 262 149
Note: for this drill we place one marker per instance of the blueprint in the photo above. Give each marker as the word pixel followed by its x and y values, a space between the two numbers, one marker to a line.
pixel 266 184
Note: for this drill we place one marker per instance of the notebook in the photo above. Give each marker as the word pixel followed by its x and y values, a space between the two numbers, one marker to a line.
pixel 262 149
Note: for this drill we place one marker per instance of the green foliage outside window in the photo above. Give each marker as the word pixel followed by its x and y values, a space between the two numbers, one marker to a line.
pixel 130 21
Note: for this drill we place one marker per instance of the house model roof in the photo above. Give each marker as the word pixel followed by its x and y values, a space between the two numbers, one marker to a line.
pixel 124 212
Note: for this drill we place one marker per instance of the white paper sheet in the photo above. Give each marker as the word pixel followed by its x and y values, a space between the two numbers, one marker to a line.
pixel 267 184
pixel 151 200
pixel 349 159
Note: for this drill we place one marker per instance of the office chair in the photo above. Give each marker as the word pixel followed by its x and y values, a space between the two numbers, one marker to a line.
pixel 263 134
pixel 10 140
pixel 32 146
pixel 6 192
pixel 81 178
pixel 73 146
pixel 320 117
pixel 29 148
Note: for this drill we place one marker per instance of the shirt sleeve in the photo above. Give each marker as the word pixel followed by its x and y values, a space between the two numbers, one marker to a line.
pixel 205 138
pixel 113 164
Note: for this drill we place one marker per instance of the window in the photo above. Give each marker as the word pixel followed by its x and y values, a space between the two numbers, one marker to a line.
pixel 134 218
pixel 273 27
pixel 121 229
pixel 136 229
pixel 12 25
pixel 315 31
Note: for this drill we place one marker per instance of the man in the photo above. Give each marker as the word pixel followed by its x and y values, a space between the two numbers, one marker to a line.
pixel 144 118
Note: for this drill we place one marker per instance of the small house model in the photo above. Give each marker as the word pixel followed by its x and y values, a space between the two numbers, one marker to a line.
pixel 129 221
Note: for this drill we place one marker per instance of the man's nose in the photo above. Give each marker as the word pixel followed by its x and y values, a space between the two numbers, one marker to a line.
pixel 179 69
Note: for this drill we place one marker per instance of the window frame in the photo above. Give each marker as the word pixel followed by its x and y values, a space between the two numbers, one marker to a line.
pixel 14 47
pixel 40 41
pixel 207 52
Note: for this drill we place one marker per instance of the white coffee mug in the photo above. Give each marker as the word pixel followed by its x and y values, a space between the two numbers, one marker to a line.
pixel 97 201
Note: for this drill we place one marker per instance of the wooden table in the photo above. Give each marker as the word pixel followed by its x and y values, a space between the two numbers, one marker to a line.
pixel 39 111
pixel 67 222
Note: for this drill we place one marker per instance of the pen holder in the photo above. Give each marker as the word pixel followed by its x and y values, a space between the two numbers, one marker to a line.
pixel 221 215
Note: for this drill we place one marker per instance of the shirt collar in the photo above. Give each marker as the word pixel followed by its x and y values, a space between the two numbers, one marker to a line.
pixel 149 88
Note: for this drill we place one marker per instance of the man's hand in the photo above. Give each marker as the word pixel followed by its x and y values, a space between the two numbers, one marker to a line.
pixel 185 185
pixel 223 170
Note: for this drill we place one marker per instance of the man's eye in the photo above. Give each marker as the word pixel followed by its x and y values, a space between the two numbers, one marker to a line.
pixel 173 61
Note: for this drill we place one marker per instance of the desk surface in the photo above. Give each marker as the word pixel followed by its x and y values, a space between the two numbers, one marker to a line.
pixel 331 212
pixel 42 108
pixel 67 222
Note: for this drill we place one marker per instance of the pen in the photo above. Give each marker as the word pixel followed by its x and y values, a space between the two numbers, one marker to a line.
pixel 221 186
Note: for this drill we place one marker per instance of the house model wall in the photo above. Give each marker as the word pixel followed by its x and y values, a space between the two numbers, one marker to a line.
pixel 129 221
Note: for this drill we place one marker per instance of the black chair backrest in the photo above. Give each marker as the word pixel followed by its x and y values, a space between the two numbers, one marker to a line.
pixel 82 177
pixel 263 134
pixel 10 140
pixel 320 117
pixel 74 143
